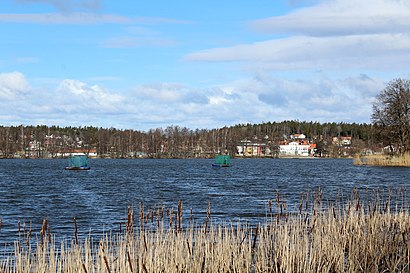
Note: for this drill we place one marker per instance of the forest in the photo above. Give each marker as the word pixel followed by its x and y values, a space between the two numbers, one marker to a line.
pixel 178 142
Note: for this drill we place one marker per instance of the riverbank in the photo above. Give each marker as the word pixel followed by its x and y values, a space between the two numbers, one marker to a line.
pixel 383 160
pixel 358 237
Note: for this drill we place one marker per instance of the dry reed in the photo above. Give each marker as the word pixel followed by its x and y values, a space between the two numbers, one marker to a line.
pixel 356 237
pixel 383 160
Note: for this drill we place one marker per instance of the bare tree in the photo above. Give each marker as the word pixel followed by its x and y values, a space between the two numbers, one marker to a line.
pixel 391 115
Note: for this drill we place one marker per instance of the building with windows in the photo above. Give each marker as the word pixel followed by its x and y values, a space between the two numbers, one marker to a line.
pixel 294 148
pixel 248 148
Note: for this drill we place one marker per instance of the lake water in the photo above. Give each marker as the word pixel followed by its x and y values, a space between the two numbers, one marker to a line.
pixel 31 190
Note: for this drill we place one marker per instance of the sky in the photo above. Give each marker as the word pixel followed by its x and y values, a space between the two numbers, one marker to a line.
pixel 198 64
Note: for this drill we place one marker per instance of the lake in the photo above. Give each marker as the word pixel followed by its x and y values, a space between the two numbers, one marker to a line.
pixel 31 190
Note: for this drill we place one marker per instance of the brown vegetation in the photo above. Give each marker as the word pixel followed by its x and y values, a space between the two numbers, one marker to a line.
pixel 384 160
pixel 357 237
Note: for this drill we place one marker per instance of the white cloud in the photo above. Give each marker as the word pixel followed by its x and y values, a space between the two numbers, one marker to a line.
pixel 12 85
pixel 347 100
pixel 262 98
pixel 335 34
pixel 76 96
pixel 67 18
pixel 169 93
pixel 164 104
pixel 71 103
pixel 378 51
pixel 267 98
pixel 253 100
pixel 166 92
pixel 368 86
pixel 65 5
pixel 341 17
pixel 83 18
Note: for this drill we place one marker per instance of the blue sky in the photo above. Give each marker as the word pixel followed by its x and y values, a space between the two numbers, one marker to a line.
pixel 200 64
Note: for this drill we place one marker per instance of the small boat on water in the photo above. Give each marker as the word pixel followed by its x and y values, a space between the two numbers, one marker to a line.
pixel 78 162
pixel 222 161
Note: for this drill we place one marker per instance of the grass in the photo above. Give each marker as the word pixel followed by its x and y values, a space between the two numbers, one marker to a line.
pixel 356 237
pixel 384 160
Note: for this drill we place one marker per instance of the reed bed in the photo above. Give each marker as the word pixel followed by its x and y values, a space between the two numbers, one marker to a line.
pixel 384 160
pixel 355 237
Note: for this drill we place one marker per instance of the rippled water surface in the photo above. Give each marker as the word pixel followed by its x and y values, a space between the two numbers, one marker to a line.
pixel 31 190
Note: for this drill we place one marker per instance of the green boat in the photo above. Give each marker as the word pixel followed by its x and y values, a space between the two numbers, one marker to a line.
pixel 222 161
pixel 77 163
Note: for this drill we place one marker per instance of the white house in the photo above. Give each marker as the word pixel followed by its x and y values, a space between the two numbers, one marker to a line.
pixel 342 141
pixel 294 149
pixel 298 136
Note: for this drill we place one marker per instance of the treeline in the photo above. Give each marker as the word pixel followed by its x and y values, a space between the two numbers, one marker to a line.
pixel 173 141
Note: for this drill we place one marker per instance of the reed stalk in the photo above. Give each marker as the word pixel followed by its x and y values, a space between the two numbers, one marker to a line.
pixel 355 237
pixel 384 160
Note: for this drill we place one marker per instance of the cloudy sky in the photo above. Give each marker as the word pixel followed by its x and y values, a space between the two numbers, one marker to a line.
pixel 199 64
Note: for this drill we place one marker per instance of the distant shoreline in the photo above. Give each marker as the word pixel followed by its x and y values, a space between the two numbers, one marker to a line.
pixel 140 158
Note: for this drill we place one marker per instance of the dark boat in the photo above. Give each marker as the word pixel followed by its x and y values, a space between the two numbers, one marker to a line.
pixel 77 163
pixel 222 161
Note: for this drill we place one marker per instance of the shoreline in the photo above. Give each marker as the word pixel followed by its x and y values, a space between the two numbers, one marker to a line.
pixel 139 158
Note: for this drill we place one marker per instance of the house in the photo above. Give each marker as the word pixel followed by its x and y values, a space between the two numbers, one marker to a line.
pixel 298 136
pixel 342 141
pixel 255 148
pixel 294 148
pixel 67 153
pixel 298 145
